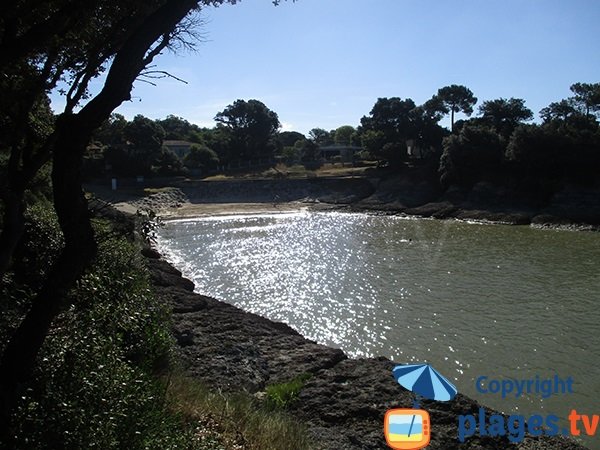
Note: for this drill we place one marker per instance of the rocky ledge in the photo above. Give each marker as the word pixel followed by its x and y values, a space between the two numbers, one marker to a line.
pixel 342 404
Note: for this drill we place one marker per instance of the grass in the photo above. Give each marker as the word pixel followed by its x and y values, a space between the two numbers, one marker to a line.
pixel 233 421
pixel 283 395
pixel 100 380
pixel 282 171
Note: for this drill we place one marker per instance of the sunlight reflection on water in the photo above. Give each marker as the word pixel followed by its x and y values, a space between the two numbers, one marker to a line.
pixel 469 298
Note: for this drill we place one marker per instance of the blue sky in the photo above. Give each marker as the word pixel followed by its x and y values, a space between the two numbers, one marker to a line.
pixel 324 63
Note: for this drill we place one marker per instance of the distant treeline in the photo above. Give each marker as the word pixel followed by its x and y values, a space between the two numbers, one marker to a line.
pixel 499 143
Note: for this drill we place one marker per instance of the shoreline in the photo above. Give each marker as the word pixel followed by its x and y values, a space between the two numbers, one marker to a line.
pixel 344 401
pixel 571 209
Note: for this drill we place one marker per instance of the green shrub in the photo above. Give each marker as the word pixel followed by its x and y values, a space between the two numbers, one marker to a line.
pixel 96 384
pixel 284 394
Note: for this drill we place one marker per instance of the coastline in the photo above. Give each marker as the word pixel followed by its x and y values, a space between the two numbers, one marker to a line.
pixel 569 209
pixel 344 401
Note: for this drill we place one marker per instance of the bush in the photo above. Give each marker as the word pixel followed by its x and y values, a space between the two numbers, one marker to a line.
pixel 201 157
pixel 284 394
pixel 96 382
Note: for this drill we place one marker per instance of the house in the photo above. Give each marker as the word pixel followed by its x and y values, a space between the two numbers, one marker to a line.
pixel 180 148
pixel 345 151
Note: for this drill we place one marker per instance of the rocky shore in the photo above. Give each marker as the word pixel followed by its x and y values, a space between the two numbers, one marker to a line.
pixel 344 401
pixel 410 194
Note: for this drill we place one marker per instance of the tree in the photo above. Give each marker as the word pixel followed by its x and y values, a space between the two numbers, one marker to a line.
pixel 474 154
pixel 559 110
pixel 588 96
pixel 75 42
pixel 321 137
pixel 453 99
pixel 395 121
pixel 373 141
pixel 343 135
pixel 289 138
pixel 167 163
pixel 392 117
pixel 111 132
pixel 177 128
pixel 251 126
pixel 505 114
pixel 201 157
pixel 144 142
pixel 308 150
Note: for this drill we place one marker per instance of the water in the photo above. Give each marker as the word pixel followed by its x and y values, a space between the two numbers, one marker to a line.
pixel 471 299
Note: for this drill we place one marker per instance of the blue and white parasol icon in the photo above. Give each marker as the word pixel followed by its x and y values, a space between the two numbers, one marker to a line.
pixel 424 381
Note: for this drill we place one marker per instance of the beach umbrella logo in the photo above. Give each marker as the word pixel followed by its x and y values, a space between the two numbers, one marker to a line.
pixel 410 429
pixel 424 381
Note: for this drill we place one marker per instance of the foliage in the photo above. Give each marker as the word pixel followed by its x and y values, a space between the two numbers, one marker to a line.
pixel 95 385
pixel 289 138
pixel 167 163
pixel 201 157
pixel 148 223
pixel 251 126
pixel 561 110
pixel 373 141
pixel 234 420
pixel 308 151
pixel 177 128
pixel 587 95
pixel 470 156
pixel 344 134
pixel 321 137
pixel 453 99
pixel 283 395
pixel 505 114
pixel 557 150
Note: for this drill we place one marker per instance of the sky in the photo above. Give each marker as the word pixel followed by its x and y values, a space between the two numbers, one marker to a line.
pixel 324 63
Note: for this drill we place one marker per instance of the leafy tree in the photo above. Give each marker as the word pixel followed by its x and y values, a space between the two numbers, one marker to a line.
pixel 111 132
pixel 144 134
pixel 392 117
pixel 474 154
pixel 251 126
pixel 321 137
pixel 453 99
pixel 220 140
pixel 289 138
pixel 167 163
pixel 394 152
pixel 557 150
pixel 588 96
pixel 343 135
pixel 373 141
pixel 40 44
pixel 177 128
pixel 308 150
pixel 394 121
pixel 559 110
pixel 201 157
pixel 505 114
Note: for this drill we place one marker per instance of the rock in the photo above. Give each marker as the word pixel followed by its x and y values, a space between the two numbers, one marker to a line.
pixel 150 253
pixel 163 274
pixel 342 404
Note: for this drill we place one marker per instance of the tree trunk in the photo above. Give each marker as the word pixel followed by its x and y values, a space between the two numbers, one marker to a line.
pixel 13 225
pixel 18 361
pixel 73 132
